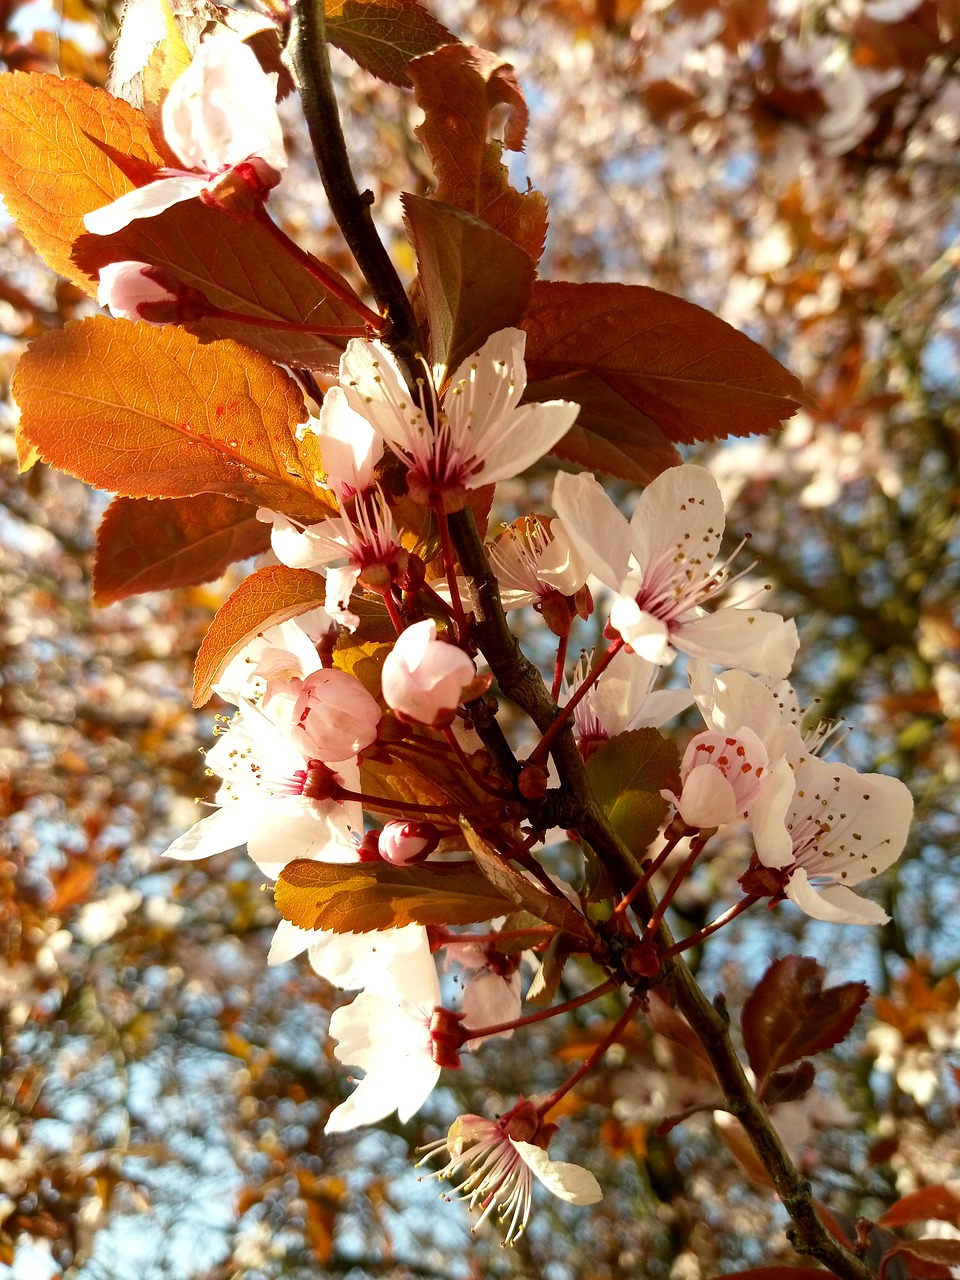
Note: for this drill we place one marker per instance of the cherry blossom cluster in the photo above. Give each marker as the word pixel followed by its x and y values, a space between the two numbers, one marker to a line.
pixel 383 694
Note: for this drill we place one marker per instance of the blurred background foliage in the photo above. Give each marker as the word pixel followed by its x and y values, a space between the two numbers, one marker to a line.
pixel 789 164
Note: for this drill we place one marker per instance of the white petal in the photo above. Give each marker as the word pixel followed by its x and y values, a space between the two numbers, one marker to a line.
pixel 374 388
pixel 768 816
pixel 646 635
pixel 289 941
pixel 527 435
pixel 707 799
pixel 226 828
pixel 681 508
pixel 349 447
pixel 567 1181
pixel 747 638
pixel 401 1086
pixel 290 827
pixel 835 904
pixel 223 109
pixel 599 533
pixel 144 202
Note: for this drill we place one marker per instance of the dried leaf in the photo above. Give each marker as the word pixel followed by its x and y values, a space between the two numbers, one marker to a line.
pixel 523 893
pixel 458 88
pixel 474 280
pixel 693 375
pixel 53 169
pixel 152 413
pixel 383 36
pixel 791 1015
pixel 265 599
pixel 627 773
pixel 150 544
pixel 359 897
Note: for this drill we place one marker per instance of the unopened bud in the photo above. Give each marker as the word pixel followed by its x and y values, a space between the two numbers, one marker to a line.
pixel 643 960
pixel 532 781
pixel 446 1036
pixel 406 843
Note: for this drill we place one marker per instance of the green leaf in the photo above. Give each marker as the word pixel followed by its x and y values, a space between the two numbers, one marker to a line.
pixel 358 897
pixel 474 280
pixel 627 773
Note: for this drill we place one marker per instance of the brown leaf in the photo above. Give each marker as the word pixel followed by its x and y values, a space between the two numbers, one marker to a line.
pixel 791 1015
pixel 474 280
pixel 523 893
pixel 458 87
pixel 265 599
pixel 924 1259
pixel 152 413
pixel 53 171
pixel 382 36
pixel 929 1202
pixel 688 371
pixel 358 897
pixel 150 544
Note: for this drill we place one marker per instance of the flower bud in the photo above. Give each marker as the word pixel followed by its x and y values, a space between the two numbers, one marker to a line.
pixel 406 843
pixel 424 678
pixel 334 716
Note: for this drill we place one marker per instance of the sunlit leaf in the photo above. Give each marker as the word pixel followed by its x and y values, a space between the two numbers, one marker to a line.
pixel 153 413
pixel 384 35
pixel 458 88
pixel 265 599
pixel 929 1202
pixel 52 171
pixel 358 897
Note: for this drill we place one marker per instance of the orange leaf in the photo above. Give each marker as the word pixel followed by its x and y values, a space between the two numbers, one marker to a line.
pixel 358 897
pixel 458 87
pixel 150 544
pixel 925 1259
pixel 53 171
pixel 265 599
pixel 688 371
pixel 152 413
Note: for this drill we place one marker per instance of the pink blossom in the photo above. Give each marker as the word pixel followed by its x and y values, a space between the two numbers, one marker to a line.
pixel 334 717
pixel 423 677
pixel 125 286
pixel 219 116
pixel 406 843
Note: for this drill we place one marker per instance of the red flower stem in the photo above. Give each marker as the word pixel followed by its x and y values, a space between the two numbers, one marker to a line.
pixel 380 804
pixel 696 848
pixel 437 600
pixel 721 920
pixel 595 1057
pixel 391 607
pixel 498 1027
pixel 651 870
pixel 542 748
pixel 339 288
pixel 449 561
pixel 558 667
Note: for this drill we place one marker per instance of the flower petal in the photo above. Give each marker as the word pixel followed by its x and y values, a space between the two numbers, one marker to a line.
pixel 569 1182
pixel 835 903
pixel 144 202
pixel 599 533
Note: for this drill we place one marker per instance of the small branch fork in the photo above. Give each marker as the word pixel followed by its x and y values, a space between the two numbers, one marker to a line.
pixel 519 678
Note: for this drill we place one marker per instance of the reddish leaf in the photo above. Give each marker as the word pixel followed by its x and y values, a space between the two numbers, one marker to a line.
pixel 268 597
pixel 384 35
pixel 789 1083
pixel 688 371
pixel 53 171
pixel 152 413
pixel 149 544
pixel 929 1202
pixel 791 1015
pixel 240 267
pixel 458 87
pixel 610 434
pixel 925 1259
pixel 474 280
pixel 358 897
